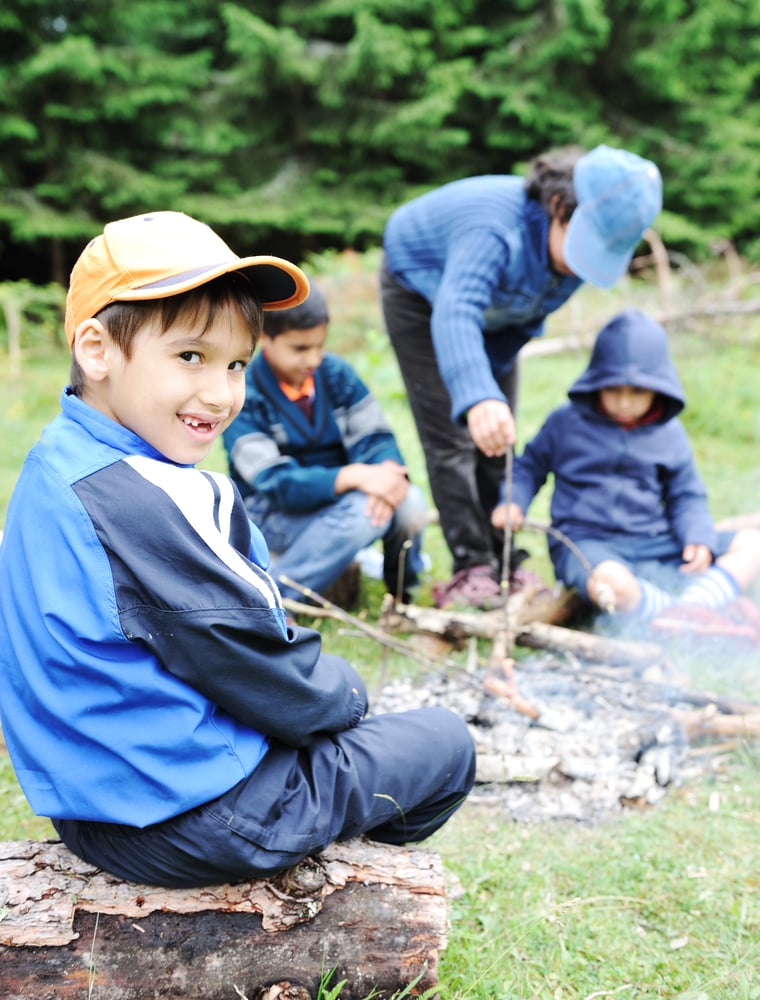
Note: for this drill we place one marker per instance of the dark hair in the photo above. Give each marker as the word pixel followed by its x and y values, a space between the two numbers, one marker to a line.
pixel 124 320
pixel 311 312
pixel 550 181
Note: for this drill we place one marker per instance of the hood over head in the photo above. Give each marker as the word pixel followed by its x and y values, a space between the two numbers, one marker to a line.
pixel 631 349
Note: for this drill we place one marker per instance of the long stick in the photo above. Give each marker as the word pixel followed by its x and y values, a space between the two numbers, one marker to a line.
pixel 504 638
pixel 500 675
pixel 334 611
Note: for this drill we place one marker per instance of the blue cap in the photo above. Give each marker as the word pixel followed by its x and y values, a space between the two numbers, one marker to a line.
pixel 619 195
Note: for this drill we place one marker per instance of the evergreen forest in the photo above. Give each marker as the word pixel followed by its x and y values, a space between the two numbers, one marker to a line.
pixel 296 126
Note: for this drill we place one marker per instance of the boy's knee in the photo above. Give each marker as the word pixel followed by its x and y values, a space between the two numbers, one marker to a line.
pixel 454 734
pixel 746 540
pixel 613 587
pixel 412 513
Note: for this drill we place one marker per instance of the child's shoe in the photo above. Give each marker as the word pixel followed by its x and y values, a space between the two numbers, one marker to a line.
pixel 695 620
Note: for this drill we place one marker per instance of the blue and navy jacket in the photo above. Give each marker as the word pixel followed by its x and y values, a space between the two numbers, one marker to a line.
pixel 476 250
pixel 608 480
pixel 276 451
pixel 144 658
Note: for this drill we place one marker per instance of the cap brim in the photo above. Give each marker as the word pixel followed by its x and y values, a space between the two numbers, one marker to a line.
pixel 588 257
pixel 278 283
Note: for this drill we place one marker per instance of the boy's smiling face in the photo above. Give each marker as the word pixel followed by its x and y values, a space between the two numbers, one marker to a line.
pixel 178 390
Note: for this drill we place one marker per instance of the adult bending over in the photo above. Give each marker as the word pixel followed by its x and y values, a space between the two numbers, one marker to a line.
pixel 470 272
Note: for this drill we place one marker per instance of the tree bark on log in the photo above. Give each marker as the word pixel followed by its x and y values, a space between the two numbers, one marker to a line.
pixel 375 914
pixel 598 649
pixel 710 722
pixel 455 625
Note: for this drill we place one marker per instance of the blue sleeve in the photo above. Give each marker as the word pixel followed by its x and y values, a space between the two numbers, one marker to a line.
pixel 473 270
pixel 211 616
pixel 531 469
pixel 366 434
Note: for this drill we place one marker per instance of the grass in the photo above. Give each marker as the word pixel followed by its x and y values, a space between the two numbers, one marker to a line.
pixel 654 904
pixel 660 903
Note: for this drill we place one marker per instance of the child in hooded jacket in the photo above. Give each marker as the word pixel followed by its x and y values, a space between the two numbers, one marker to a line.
pixel 628 496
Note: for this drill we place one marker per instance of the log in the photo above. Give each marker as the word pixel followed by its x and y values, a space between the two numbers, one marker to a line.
pixel 710 722
pixel 454 625
pixel 596 648
pixel 373 913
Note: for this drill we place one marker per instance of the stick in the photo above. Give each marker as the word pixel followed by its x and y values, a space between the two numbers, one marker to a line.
pixel 330 610
pixel 500 681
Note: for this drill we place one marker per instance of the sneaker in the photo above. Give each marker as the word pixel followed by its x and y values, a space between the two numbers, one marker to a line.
pixel 474 587
pixel 743 609
pixel 696 620
pixel 525 579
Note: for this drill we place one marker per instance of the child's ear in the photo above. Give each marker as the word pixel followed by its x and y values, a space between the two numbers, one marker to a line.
pixel 91 349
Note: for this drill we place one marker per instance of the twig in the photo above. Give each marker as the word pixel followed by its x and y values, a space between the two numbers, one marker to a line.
pixel 605 596
pixel 549 529
pixel 330 610
pixel 500 681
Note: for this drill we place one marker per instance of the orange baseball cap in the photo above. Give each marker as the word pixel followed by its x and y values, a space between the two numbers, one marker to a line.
pixel 160 254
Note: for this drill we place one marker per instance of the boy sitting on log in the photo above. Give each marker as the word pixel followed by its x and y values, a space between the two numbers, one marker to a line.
pixel 627 494
pixel 155 703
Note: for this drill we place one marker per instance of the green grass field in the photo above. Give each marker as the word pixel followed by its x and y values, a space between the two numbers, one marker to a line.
pixel 659 903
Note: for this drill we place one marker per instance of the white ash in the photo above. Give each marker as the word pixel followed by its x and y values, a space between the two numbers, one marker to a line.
pixel 604 739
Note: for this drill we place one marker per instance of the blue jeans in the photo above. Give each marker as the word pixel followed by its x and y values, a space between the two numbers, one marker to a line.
pixel 315 548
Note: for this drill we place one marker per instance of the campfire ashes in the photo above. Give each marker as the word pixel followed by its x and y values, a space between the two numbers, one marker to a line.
pixel 599 739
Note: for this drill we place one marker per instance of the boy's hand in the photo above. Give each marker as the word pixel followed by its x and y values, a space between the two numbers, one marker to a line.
pixel 385 485
pixel 516 517
pixel 499 517
pixel 491 426
pixel 696 558
pixel 378 510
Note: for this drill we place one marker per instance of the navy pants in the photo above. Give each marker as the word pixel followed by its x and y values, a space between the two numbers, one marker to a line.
pixel 395 777
pixel 463 481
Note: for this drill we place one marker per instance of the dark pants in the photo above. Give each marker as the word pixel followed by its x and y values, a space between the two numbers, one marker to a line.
pixel 396 778
pixel 463 481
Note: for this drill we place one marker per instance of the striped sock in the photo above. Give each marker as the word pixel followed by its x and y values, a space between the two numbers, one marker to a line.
pixel 713 589
pixel 653 600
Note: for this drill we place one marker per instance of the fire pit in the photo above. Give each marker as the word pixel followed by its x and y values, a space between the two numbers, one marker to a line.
pixel 597 739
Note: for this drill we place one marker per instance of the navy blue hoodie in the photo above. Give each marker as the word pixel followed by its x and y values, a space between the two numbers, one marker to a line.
pixel 611 481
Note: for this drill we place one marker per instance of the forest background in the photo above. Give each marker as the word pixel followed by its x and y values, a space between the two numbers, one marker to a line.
pixel 294 126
